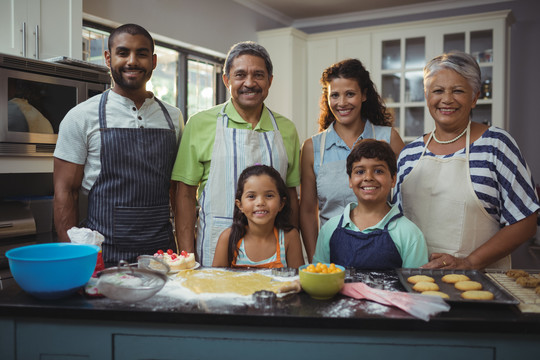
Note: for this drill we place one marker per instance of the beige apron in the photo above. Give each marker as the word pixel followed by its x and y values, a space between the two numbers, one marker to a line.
pixel 438 196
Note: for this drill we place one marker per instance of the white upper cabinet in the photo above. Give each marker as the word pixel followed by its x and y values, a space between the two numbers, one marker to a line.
pixel 400 54
pixel 41 29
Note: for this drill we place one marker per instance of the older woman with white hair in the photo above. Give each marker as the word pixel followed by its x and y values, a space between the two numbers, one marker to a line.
pixel 465 185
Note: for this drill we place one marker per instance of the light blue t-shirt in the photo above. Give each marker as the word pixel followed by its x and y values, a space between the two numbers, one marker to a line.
pixel 336 149
pixel 408 238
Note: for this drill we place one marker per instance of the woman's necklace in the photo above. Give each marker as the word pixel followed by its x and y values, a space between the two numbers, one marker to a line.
pixel 450 141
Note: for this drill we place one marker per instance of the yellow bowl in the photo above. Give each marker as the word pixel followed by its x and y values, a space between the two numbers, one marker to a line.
pixel 321 286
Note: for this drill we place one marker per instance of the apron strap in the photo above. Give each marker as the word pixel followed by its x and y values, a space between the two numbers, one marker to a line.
pixel 102 103
pixel 165 112
pixel 321 149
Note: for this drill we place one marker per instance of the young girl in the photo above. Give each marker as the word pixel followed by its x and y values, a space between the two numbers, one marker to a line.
pixel 261 235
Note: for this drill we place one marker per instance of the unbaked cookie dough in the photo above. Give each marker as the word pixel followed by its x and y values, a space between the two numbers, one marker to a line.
pixel 422 286
pixel 436 293
pixel 217 281
pixel 468 285
pixel 477 295
pixel 417 278
pixel 454 278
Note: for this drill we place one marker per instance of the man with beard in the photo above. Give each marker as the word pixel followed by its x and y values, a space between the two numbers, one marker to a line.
pixel 219 143
pixel 118 148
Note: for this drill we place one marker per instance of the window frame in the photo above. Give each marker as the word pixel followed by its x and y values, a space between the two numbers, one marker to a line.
pixel 184 54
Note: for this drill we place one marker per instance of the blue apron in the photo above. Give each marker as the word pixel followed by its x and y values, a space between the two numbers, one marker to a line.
pixel 129 202
pixel 374 250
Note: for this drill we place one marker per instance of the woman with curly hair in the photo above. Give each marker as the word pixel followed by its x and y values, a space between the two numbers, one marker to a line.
pixel 351 110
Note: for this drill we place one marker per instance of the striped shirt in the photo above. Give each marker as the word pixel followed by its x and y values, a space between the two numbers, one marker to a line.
pixel 499 174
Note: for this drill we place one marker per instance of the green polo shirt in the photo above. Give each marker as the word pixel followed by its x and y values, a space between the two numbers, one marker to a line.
pixel 192 164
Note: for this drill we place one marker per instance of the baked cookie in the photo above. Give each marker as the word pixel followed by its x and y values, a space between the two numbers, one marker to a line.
pixel 417 278
pixel 436 293
pixel 477 295
pixel 528 281
pixel 514 273
pixel 454 278
pixel 422 286
pixel 468 285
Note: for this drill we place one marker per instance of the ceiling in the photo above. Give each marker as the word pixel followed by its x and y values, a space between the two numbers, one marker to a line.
pixel 302 9
pixel 305 13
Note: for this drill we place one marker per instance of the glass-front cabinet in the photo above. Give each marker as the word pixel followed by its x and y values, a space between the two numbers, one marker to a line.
pixel 402 60
pixel 399 56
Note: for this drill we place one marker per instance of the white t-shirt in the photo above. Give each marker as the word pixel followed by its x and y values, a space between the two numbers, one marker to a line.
pixel 79 138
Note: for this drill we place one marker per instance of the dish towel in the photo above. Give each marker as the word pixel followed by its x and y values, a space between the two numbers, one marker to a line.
pixel 418 305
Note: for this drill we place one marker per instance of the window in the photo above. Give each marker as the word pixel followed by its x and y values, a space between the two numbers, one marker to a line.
pixel 201 85
pixel 94 44
pixel 197 90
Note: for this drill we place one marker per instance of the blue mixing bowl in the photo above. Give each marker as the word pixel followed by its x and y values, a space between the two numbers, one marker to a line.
pixel 52 271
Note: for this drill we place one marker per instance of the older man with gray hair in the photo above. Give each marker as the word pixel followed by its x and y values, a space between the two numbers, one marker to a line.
pixel 220 142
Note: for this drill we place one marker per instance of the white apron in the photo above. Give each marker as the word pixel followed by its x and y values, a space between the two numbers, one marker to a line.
pixel 234 150
pixel 438 196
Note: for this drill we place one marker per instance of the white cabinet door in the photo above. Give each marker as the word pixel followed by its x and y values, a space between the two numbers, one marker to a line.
pixel 41 29
pixel 14 26
pixel 399 58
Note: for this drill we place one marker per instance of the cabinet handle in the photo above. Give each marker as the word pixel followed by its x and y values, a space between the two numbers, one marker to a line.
pixel 23 31
pixel 36 55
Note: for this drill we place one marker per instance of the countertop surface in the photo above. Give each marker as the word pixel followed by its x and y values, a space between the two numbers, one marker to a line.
pixel 297 310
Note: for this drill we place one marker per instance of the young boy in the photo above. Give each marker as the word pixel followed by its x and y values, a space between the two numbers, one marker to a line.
pixel 371 234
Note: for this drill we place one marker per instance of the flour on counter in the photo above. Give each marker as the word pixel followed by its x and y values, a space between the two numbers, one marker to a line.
pixel 345 308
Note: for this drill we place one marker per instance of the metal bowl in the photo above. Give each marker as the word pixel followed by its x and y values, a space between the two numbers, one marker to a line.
pixel 130 284
pixel 150 262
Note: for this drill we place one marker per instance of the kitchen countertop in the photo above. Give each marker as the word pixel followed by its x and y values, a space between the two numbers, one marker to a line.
pixel 297 310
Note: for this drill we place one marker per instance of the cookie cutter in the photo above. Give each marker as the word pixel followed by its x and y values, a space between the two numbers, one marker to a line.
pixel 285 272
pixel 264 299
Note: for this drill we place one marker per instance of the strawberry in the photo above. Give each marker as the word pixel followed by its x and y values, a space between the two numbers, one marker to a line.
pixel 184 253
pixel 160 252
pixel 170 252
pixel 173 256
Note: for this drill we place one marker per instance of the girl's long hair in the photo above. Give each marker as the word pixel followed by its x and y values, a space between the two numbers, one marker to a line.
pixel 373 109
pixel 240 223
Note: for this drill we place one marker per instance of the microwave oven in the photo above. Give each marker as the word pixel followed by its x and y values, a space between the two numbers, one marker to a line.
pixel 35 96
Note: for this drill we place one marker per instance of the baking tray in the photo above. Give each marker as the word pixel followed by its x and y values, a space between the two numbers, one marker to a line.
pixel 501 296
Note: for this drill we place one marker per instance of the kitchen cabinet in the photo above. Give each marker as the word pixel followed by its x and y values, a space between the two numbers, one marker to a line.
pixel 395 56
pixel 399 56
pixel 41 29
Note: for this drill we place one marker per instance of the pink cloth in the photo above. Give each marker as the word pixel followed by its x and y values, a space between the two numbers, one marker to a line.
pixel 418 305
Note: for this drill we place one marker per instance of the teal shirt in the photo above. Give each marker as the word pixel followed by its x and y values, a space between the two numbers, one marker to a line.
pixel 408 238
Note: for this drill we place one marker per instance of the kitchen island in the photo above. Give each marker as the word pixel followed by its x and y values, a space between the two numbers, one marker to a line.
pixel 296 326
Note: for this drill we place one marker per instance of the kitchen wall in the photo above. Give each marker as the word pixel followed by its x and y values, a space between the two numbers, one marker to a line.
pixel 217 24
pixel 212 24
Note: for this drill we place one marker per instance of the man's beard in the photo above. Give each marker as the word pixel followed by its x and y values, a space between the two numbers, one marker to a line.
pixel 121 82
